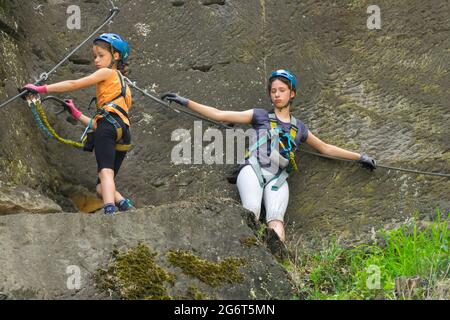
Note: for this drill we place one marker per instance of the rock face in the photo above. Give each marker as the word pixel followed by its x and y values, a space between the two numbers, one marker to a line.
pixel 16 200
pixel 40 253
pixel 384 92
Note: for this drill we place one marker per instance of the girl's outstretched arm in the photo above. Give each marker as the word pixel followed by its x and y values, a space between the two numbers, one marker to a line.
pixel 329 149
pixel 211 112
pixel 222 115
pixel 72 85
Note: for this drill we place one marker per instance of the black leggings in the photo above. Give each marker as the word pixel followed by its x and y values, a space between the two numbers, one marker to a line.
pixel 105 144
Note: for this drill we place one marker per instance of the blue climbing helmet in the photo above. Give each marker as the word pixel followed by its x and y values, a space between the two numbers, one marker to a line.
pixel 116 43
pixel 287 75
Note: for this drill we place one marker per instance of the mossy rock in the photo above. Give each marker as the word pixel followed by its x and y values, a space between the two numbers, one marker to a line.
pixel 5 6
pixel 194 293
pixel 134 275
pixel 211 273
pixel 249 241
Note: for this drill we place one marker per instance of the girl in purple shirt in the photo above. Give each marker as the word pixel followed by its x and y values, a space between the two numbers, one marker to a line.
pixel 257 180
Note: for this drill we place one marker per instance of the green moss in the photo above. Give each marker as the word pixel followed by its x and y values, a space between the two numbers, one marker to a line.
pixel 368 188
pixel 16 171
pixel 213 274
pixel 308 206
pixel 135 275
pixel 249 241
pixel 4 6
pixel 338 177
pixel 420 178
pixel 354 107
pixel 193 293
pixel 430 88
pixel 11 62
pixel 261 230
pixel 355 4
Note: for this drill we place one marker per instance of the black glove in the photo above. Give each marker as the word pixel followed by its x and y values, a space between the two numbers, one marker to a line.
pixel 175 98
pixel 368 162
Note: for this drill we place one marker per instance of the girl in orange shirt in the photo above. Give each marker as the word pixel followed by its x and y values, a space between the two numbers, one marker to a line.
pixel 111 123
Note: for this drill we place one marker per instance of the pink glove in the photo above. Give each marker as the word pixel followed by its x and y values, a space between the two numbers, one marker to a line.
pixel 35 89
pixel 76 114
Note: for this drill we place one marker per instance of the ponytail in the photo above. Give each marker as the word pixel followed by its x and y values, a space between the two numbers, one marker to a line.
pixel 123 68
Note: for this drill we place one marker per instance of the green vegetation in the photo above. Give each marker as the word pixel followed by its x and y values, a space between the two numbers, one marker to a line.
pixel 193 293
pixel 134 275
pixel 249 241
pixel 354 4
pixel 213 274
pixel 4 6
pixel 405 263
pixel 431 88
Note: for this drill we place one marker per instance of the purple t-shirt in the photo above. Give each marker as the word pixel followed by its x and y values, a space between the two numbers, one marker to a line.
pixel 261 124
pixel 261 121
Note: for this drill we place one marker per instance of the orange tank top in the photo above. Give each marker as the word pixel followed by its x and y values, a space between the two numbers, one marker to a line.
pixel 109 91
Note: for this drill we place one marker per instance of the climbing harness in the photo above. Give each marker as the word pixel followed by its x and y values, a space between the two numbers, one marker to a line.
pixel 285 160
pixel 102 112
pixel 44 76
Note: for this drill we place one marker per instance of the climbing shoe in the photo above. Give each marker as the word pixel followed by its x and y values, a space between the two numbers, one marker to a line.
pixel 109 209
pixel 125 205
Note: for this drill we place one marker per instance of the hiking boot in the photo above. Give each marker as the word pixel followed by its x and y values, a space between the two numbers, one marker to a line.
pixel 125 205
pixel 275 245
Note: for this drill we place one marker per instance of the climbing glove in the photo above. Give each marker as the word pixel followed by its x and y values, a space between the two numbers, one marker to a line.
pixel 368 162
pixel 76 114
pixel 35 89
pixel 175 98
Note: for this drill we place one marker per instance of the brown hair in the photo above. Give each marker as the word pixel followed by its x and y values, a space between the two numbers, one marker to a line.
pixel 122 67
pixel 282 79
